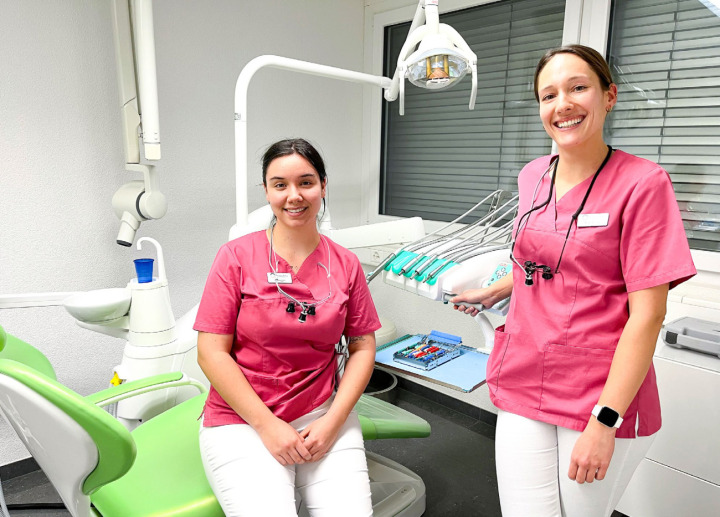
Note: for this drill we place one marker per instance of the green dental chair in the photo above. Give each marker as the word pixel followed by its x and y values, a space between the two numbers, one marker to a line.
pixel 99 468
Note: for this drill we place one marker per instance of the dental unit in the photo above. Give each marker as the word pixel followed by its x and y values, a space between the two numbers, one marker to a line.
pixel 141 313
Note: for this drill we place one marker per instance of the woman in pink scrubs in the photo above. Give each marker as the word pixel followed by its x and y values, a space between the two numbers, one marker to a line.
pixel 598 243
pixel 275 304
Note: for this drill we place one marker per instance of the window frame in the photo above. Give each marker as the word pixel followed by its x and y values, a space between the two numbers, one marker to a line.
pixel 586 22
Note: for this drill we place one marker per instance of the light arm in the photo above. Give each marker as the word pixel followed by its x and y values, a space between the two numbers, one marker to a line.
pixel 241 92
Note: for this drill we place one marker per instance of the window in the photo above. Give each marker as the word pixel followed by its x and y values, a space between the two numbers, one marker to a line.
pixel 665 58
pixel 440 158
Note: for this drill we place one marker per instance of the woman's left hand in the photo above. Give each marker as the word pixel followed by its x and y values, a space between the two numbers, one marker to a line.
pixel 320 436
pixel 591 455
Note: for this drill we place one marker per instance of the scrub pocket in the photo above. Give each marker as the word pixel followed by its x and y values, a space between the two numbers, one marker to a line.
pixel 514 370
pixel 573 379
pixel 266 387
pixel 492 370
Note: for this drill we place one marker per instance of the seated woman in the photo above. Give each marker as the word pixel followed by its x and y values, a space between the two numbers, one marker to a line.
pixel 275 305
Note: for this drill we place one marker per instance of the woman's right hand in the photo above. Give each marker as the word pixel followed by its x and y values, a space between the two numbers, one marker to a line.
pixel 486 296
pixel 283 441
pixel 463 300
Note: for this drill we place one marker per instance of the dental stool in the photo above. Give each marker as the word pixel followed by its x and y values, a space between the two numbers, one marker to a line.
pixel 99 468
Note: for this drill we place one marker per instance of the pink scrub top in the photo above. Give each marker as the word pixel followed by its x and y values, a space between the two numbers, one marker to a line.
pixel 290 365
pixel 551 360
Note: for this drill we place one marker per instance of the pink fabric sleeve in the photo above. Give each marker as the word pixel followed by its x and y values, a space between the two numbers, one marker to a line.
pixel 221 298
pixel 362 317
pixel 653 247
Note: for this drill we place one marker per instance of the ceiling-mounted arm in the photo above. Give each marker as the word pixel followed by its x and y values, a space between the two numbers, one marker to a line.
pixel 125 60
pixel 147 77
pixel 135 54
pixel 137 201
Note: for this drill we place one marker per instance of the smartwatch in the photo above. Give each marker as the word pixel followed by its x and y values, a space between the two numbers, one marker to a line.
pixel 607 416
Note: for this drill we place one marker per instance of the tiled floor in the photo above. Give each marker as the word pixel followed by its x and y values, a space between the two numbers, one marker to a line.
pixel 456 463
pixel 32 489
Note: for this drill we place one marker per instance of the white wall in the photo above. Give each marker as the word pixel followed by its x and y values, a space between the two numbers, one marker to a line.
pixel 61 158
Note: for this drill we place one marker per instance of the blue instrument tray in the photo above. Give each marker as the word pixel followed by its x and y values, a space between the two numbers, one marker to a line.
pixel 464 373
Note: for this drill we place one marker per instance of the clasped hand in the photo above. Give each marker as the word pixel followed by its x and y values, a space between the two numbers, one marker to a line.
pixel 290 447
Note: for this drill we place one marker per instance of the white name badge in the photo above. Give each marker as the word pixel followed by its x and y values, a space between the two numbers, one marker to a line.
pixel 279 278
pixel 592 220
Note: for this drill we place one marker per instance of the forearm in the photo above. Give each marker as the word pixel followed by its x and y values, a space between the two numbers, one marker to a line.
pixel 358 370
pixel 501 289
pixel 487 296
pixel 635 349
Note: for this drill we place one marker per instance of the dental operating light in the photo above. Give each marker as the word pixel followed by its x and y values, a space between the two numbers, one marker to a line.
pixel 441 60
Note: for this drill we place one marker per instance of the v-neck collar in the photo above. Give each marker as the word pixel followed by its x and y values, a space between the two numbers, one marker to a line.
pixel 286 265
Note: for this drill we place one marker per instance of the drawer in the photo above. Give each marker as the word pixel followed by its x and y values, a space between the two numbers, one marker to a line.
pixel 659 491
pixel 688 440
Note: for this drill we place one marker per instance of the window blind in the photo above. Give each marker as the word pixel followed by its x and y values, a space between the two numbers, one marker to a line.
pixel 440 158
pixel 665 59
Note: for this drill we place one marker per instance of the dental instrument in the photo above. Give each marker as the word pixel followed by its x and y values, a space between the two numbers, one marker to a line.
pixel 433 350
pixel 493 198
pixel 307 308
pixel 443 264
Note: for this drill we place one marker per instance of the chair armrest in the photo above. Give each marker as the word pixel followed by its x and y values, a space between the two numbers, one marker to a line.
pixel 380 419
pixel 140 386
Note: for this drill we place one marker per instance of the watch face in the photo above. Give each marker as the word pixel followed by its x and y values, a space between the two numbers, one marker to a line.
pixel 608 416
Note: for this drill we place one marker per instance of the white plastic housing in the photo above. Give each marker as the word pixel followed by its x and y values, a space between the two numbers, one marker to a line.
pixel 100 305
pixel 469 274
pixel 62 448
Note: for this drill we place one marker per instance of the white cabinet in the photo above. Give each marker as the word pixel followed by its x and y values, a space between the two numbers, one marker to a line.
pixel 681 474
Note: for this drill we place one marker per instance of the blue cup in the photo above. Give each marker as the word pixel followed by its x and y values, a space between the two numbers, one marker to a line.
pixel 144 270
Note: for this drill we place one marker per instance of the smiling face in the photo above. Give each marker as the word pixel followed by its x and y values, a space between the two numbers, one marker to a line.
pixel 573 104
pixel 294 190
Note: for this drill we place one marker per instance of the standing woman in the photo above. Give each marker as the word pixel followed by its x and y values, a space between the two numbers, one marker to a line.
pixel 275 305
pixel 598 243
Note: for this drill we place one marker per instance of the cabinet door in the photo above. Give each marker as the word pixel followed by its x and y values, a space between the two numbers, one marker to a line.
pixel 689 440
pixel 659 491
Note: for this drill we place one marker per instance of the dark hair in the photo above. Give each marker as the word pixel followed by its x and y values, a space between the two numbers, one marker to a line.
pixel 291 146
pixel 591 56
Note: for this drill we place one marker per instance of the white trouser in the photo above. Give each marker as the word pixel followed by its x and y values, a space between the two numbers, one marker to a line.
pixel 533 458
pixel 248 481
